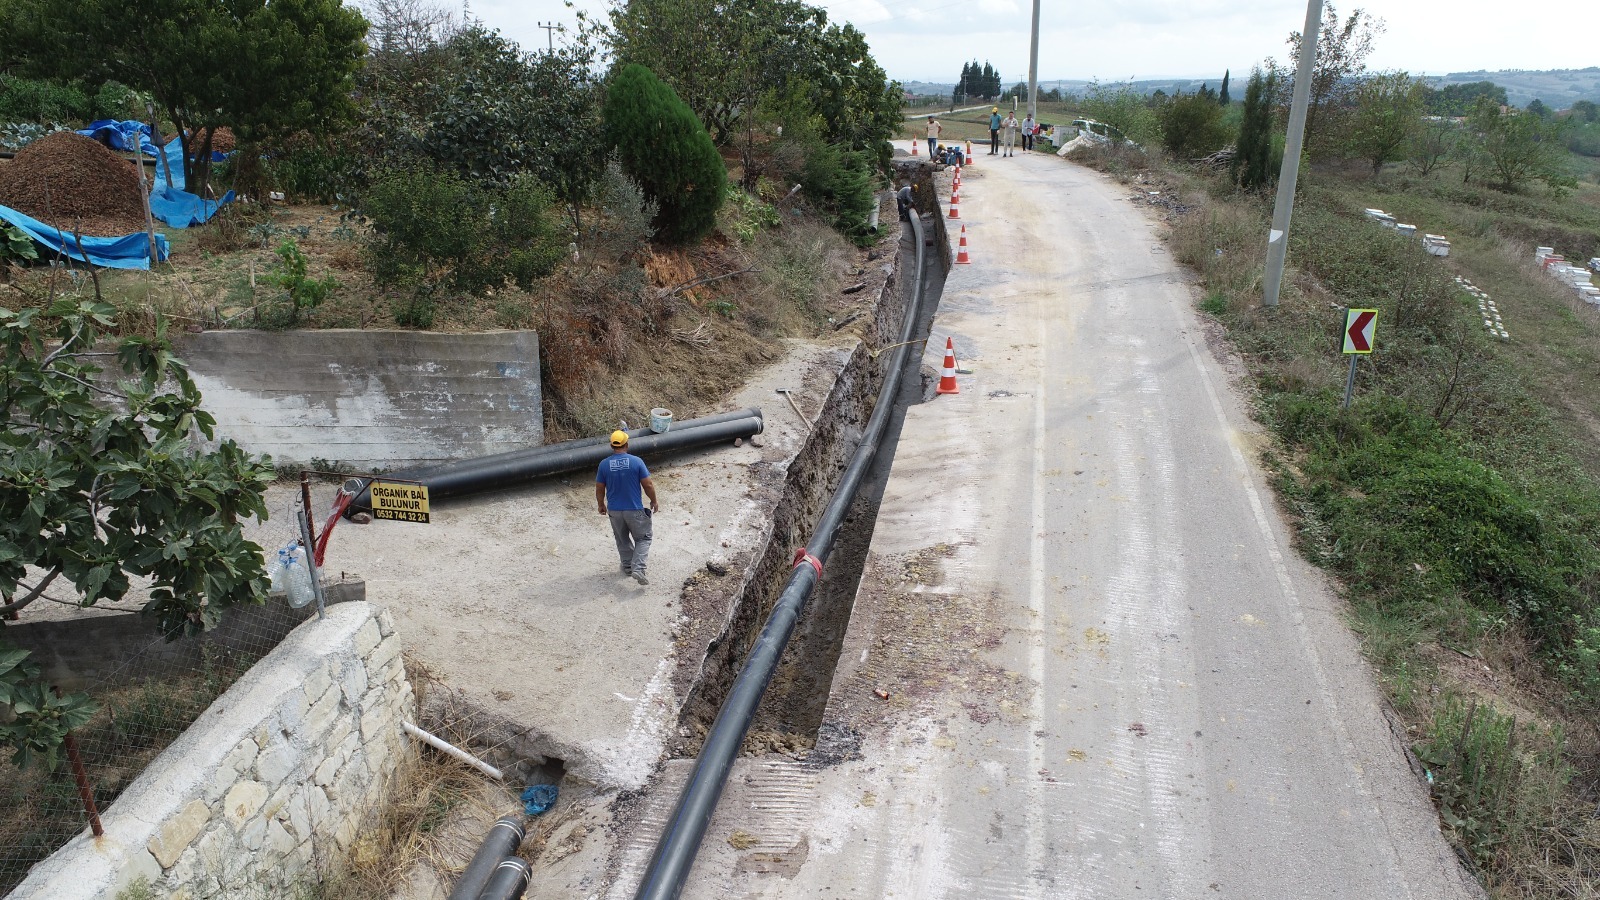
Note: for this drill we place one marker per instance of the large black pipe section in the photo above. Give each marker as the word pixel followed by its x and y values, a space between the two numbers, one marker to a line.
pixel 478 462
pixel 509 880
pixel 675 853
pixel 508 470
pixel 503 839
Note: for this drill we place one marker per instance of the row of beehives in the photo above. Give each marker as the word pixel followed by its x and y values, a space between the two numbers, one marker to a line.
pixel 1578 278
pixel 1486 308
pixel 1435 244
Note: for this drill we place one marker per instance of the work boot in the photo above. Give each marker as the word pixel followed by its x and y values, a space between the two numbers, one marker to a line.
pixel 639 577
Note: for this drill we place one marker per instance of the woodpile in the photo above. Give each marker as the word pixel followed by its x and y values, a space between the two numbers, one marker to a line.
pixel 75 184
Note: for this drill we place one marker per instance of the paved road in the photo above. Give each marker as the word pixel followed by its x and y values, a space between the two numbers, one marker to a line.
pixel 1109 675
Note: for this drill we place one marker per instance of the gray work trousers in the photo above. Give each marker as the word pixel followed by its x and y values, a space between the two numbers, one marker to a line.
pixel 632 530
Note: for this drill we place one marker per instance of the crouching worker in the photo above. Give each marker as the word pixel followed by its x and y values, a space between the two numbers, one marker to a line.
pixel 902 199
pixel 617 487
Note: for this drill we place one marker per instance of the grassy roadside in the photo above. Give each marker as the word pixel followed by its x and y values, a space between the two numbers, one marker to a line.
pixel 1458 499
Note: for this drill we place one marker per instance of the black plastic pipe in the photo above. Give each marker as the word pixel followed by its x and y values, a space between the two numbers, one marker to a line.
pixel 534 452
pixel 508 881
pixel 503 839
pixel 675 853
pixel 510 470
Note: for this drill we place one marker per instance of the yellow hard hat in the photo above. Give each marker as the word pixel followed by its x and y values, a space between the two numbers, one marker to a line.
pixel 994 109
pixel 619 439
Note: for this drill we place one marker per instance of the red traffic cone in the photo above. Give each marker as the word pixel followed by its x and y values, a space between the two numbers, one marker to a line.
pixel 955 205
pixel 914 143
pixel 970 160
pixel 947 378
pixel 957 182
pixel 961 256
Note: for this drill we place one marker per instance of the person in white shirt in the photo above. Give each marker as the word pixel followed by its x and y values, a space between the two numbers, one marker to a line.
pixel 1009 127
pixel 1029 129
pixel 934 128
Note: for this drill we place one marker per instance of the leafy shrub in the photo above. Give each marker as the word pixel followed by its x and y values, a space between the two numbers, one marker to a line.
pixel 303 293
pixel 1191 127
pixel 845 184
pixel 436 229
pixel 661 145
pixel 29 100
pixel 310 172
pixel 747 215
pixel 621 230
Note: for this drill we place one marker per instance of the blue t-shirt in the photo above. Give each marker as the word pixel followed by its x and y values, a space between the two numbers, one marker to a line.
pixel 621 474
pixel 994 122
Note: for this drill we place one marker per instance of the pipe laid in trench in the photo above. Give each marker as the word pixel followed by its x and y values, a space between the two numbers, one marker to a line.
pixel 503 839
pixel 675 853
pixel 508 881
pixel 509 470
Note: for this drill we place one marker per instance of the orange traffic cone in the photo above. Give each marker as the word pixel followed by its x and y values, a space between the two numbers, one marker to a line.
pixel 970 160
pixel 947 378
pixel 957 183
pixel 961 256
pixel 955 204
pixel 914 143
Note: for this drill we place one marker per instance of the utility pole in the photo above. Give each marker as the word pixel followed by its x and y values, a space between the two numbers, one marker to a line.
pixel 550 34
pixel 1278 238
pixel 1033 66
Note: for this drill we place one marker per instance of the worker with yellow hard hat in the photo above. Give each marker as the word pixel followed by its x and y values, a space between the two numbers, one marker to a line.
pixel 994 130
pixel 617 486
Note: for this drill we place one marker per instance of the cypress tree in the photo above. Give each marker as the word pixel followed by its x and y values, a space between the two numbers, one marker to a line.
pixel 663 147
pixel 1252 162
pixel 964 86
pixel 1223 97
pixel 991 84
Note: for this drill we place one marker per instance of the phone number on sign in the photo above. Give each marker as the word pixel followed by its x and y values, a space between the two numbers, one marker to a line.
pixel 400 515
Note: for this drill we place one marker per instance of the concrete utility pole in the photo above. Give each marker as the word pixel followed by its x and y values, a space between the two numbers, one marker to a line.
pixel 550 34
pixel 1278 238
pixel 1033 66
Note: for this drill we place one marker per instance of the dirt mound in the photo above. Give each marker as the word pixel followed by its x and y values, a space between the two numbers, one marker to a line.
pixel 74 183
pixel 222 140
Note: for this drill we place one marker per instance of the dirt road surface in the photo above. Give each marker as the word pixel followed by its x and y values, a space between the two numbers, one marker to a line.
pixel 1108 675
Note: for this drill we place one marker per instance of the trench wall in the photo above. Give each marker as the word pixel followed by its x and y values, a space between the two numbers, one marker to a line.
pixel 810 482
pixel 273 780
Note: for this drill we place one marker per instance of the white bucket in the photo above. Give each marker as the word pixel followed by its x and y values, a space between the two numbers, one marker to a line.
pixel 660 420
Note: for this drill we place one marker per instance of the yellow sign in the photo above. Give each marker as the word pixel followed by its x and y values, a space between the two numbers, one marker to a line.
pixel 400 502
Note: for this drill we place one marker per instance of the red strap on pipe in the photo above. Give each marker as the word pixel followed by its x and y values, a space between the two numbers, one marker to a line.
pixel 801 556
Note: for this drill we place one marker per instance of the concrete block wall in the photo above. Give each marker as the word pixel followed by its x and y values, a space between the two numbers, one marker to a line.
pixel 275 777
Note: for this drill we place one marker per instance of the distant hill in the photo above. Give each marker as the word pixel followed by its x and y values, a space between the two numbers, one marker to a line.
pixel 1077 86
pixel 1557 88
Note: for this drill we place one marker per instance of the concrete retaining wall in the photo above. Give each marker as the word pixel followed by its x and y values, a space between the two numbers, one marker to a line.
pixel 275 776
pixel 370 399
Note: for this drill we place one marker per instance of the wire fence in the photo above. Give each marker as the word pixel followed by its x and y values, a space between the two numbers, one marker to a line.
pixel 149 690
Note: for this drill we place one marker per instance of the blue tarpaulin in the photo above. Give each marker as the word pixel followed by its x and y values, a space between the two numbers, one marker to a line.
pixel 122 135
pixel 131 251
pixel 181 209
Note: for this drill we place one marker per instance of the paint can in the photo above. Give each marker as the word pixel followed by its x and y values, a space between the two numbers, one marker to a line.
pixel 660 420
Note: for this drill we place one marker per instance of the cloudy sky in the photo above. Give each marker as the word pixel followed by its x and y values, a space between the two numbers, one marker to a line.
pixel 1118 39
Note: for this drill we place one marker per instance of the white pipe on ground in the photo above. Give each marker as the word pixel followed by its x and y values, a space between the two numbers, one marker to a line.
pixel 447 747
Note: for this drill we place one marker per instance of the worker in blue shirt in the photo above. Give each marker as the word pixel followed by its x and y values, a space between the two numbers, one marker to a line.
pixel 994 130
pixel 617 487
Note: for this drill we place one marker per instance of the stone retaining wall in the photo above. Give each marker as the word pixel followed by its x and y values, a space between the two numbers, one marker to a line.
pixel 273 779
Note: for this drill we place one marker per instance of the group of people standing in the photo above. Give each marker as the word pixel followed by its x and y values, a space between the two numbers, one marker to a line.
pixel 1001 128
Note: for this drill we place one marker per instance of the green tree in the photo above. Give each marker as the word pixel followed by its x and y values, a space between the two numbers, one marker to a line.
pixel 265 69
pixel 1388 113
pixel 1122 107
pixel 1457 100
pixel 1222 96
pixel 1252 161
pixel 1341 64
pixel 1585 111
pixel 93 493
pixel 1430 144
pixel 1517 149
pixel 1191 126
pixel 663 147
pixel 962 88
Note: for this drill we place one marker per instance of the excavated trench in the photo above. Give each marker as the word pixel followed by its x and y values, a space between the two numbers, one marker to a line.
pixel 791 709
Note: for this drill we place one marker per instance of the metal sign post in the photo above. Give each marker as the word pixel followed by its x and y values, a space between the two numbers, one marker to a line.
pixel 1360 325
